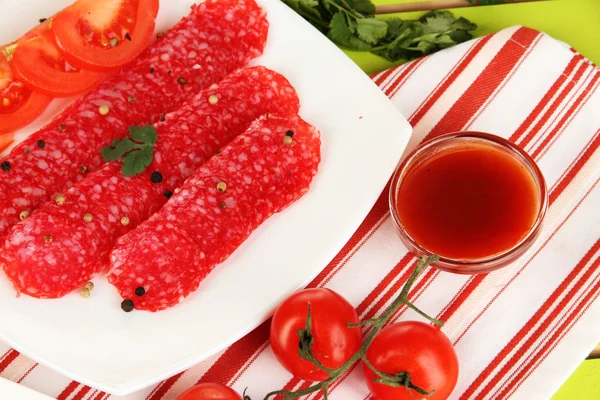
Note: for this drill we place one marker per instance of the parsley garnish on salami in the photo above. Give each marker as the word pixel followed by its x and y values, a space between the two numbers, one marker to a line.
pixel 136 152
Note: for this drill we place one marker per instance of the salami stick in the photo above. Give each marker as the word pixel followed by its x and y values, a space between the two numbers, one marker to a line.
pixel 65 243
pixel 261 172
pixel 216 38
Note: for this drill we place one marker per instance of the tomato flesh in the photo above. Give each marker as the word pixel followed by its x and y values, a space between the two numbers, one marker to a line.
pixel 13 96
pixel 37 63
pixel 103 35
pixel 209 391
pixel 106 21
pixel 334 342
pixel 419 349
pixel 19 105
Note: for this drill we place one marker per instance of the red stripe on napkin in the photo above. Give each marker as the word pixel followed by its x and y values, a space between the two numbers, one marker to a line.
pixel 27 373
pixel 523 332
pixel 8 358
pixel 407 72
pixel 566 178
pixel 449 80
pixel 575 107
pixel 234 360
pixel 82 393
pixel 577 59
pixel 573 315
pixel 461 297
pixel 488 82
pixel 68 390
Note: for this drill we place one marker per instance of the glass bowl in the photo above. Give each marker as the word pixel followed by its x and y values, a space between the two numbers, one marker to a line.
pixel 448 141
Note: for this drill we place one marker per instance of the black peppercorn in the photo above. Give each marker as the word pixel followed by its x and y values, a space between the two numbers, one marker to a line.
pixel 156 177
pixel 127 305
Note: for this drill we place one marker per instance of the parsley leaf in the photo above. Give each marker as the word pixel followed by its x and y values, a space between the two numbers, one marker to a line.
pixel 395 27
pixel 340 33
pixel 137 153
pixel 364 7
pixel 144 134
pixel 371 30
pixel 463 24
pixel 309 9
pixel 306 6
pixel 135 162
pixel 117 149
pixel 437 21
pixel 351 24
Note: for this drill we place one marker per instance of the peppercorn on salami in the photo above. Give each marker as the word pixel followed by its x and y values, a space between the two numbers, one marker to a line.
pixel 66 241
pixel 217 37
pixel 260 173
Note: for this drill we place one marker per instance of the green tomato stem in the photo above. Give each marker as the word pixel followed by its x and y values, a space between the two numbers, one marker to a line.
pixel 421 313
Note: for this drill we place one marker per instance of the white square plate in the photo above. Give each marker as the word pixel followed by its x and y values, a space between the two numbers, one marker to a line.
pixel 94 342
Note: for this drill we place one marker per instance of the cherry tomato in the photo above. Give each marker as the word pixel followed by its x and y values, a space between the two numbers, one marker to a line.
pixel 36 62
pixel 103 35
pixel 419 349
pixel 209 391
pixel 5 141
pixel 334 342
pixel 19 105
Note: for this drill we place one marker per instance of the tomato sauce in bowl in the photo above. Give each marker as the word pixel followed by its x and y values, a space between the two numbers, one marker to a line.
pixel 472 198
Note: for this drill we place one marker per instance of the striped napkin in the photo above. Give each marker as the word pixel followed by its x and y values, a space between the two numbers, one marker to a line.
pixel 519 332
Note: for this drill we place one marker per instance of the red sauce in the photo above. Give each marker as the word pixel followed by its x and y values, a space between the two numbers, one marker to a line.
pixel 468 202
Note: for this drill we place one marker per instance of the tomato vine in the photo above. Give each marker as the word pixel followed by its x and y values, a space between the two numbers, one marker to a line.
pixel 402 379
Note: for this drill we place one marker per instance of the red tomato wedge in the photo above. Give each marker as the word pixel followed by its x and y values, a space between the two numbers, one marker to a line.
pixel 36 62
pixel 5 141
pixel 19 105
pixel 103 35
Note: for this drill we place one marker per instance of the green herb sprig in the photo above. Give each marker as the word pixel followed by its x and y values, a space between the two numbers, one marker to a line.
pixel 137 152
pixel 401 379
pixel 352 24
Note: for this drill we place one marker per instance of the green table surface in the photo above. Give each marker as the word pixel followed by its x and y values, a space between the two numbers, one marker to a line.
pixel 576 22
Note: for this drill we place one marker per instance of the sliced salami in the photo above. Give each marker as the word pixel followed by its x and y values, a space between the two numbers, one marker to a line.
pixel 66 242
pixel 216 38
pixel 259 173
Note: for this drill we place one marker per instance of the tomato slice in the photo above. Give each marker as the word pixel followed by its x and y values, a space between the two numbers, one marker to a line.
pixel 36 62
pixel 19 105
pixel 103 35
